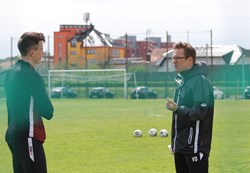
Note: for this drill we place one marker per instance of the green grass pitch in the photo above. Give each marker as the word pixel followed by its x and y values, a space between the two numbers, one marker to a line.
pixel 96 136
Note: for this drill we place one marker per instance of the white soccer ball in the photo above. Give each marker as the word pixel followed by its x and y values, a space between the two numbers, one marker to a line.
pixel 163 133
pixel 138 133
pixel 152 132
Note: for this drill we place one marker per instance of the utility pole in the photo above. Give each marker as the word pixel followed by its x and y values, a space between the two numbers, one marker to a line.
pixel 11 50
pixel 126 56
pixel 86 18
pixel 147 54
pixel 211 39
pixel 166 80
pixel 167 49
pixel 207 53
pixel 126 51
pixel 67 58
pixel 212 63
pixel 48 55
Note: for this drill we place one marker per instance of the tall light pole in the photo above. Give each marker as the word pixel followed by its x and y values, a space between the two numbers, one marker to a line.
pixel 86 18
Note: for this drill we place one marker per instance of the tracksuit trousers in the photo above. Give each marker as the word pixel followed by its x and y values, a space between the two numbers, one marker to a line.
pixel 28 156
pixel 191 163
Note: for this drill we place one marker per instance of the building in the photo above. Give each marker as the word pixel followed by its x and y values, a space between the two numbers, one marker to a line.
pixel 145 47
pixel 62 37
pixel 79 46
pixel 157 41
pixel 129 42
pixel 217 55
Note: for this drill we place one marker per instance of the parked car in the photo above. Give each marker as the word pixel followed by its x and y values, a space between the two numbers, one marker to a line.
pixel 101 92
pixel 218 94
pixel 247 93
pixel 63 92
pixel 143 92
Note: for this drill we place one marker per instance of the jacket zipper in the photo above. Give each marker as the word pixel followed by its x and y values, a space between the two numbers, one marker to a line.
pixel 190 135
pixel 175 119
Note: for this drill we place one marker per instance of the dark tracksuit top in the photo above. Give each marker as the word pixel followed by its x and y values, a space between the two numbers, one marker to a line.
pixel 193 120
pixel 27 102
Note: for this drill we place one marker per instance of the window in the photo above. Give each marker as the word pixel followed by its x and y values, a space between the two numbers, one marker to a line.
pixel 91 61
pixel 60 49
pixel 73 42
pixel 73 52
pixel 115 52
pixel 91 51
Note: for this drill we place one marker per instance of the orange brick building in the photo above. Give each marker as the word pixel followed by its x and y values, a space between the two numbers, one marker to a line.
pixel 82 45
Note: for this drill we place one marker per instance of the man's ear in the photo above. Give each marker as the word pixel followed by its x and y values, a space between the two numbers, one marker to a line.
pixel 190 59
pixel 31 52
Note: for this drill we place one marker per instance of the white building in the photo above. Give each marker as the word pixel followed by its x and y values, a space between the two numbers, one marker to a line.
pixel 218 55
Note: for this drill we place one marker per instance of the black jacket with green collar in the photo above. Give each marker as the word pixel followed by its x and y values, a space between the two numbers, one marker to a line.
pixel 193 120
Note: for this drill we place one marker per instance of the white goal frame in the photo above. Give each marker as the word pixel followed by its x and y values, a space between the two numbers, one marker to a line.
pixel 91 70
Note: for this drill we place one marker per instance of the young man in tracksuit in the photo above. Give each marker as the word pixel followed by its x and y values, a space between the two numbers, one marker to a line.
pixel 193 109
pixel 27 102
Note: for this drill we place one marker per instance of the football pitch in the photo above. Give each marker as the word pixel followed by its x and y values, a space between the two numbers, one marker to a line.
pixel 96 136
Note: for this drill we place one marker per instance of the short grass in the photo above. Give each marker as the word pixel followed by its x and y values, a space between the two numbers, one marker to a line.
pixel 96 136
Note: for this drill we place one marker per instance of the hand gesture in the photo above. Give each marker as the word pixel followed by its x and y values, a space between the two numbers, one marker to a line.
pixel 171 105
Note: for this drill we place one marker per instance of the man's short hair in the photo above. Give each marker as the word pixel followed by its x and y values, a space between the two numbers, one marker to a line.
pixel 188 50
pixel 28 41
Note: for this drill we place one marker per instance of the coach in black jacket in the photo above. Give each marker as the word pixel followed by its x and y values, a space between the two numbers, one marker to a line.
pixel 27 102
pixel 193 109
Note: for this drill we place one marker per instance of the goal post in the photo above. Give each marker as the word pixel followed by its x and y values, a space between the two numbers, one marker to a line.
pixel 88 78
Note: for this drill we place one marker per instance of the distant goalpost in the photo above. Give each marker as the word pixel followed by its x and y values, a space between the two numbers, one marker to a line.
pixel 83 78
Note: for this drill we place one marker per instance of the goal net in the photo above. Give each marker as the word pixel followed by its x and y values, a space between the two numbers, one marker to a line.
pixel 82 81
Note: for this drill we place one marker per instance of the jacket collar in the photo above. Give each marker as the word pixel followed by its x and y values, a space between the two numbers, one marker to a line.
pixel 20 61
pixel 198 68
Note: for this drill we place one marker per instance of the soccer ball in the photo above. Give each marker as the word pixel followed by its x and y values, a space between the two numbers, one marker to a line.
pixel 163 133
pixel 138 133
pixel 152 132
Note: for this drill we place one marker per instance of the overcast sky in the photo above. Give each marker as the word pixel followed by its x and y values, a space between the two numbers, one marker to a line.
pixel 228 20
